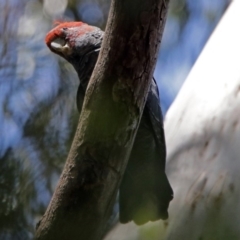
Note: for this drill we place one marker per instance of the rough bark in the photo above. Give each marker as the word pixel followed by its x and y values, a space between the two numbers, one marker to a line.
pixel 84 197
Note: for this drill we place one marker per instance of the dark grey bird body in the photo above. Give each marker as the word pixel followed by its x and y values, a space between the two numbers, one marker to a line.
pixel 145 192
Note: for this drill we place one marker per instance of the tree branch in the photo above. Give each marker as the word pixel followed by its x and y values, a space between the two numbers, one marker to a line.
pixel 86 192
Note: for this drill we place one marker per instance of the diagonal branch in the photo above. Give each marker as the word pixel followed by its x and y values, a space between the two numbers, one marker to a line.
pixel 84 197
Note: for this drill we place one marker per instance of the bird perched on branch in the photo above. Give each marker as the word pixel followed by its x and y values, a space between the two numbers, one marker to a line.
pixel 145 192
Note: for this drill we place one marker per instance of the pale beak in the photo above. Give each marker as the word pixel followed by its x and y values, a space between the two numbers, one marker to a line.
pixel 60 45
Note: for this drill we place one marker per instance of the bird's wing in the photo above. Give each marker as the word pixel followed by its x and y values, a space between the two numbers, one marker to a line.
pixel 145 192
pixel 156 119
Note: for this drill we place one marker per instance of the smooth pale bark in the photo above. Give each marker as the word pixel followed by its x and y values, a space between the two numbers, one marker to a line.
pixel 84 197
pixel 203 138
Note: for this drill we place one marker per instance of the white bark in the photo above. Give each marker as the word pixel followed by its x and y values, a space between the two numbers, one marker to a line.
pixel 203 139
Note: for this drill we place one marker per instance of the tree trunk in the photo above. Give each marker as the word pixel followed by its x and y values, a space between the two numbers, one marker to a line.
pixel 116 94
pixel 203 136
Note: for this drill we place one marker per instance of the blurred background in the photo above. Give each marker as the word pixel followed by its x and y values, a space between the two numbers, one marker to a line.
pixel 38 113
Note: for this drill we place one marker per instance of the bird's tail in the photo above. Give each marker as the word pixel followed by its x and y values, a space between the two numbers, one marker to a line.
pixel 145 201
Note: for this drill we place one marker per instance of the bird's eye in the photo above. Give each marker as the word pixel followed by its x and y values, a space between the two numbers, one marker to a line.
pixel 65 29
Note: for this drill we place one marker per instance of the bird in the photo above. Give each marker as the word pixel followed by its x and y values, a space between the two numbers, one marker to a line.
pixel 144 192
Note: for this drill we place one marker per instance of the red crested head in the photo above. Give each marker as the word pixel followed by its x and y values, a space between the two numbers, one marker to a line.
pixel 62 39
pixel 78 43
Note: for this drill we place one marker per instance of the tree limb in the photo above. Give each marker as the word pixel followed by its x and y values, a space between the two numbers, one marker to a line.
pixel 83 200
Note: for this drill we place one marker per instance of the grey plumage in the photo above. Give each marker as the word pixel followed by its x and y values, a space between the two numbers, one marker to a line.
pixel 145 192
